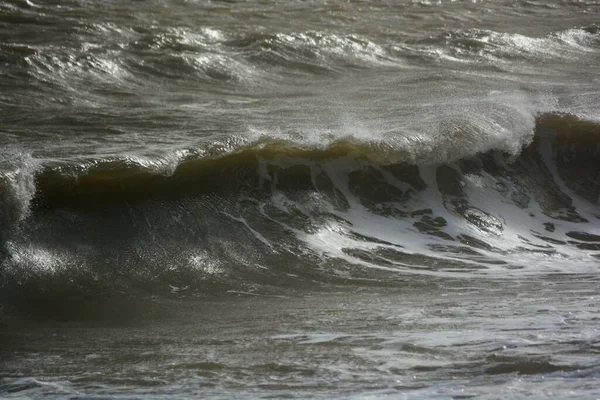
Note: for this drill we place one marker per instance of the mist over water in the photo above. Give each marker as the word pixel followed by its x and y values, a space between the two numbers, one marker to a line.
pixel 307 199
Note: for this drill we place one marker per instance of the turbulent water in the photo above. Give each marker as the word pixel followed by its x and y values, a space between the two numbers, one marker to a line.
pixel 299 199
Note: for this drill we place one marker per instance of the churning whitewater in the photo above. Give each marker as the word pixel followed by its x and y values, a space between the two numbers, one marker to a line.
pixel 314 177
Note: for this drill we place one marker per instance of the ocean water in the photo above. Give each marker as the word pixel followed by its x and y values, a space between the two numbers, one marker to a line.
pixel 299 199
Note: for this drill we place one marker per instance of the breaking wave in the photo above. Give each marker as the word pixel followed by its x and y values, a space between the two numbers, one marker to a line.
pixel 271 215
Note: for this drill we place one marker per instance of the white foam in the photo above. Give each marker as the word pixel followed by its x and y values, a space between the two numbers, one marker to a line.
pixel 513 244
pixel 254 232
pixel 17 181
pixel 327 45
pixel 202 261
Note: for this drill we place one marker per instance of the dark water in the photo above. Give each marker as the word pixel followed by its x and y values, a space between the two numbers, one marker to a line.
pixel 306 199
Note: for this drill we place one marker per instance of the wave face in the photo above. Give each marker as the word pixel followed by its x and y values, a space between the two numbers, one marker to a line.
pixel 271 216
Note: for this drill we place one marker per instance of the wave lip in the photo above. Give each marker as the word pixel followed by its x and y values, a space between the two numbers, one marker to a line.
pixel 199 171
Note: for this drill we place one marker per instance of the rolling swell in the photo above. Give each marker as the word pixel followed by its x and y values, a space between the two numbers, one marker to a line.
pixel 274 216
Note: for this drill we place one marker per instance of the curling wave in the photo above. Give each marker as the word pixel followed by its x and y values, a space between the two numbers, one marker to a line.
pixel 270 216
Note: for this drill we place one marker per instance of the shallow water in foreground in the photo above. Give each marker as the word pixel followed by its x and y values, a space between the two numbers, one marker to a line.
pixel 429 338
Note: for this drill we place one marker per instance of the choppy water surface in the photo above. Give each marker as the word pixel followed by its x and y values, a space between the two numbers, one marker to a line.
pixel 305 199
pixel 418 340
